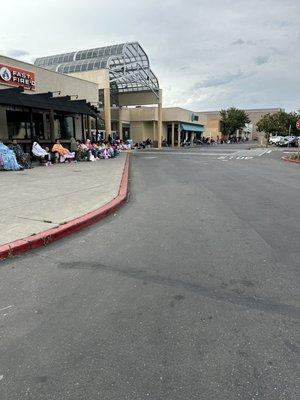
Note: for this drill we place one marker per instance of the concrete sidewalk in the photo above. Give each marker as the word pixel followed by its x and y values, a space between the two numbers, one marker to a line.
pixel 32 201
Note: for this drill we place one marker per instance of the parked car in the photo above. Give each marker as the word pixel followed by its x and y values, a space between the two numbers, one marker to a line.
pixel 275 139
pixel 288 141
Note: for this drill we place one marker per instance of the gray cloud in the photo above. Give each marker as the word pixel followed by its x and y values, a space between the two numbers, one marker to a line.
pixel 238 42
pixel 259 60
pixel 17 53
pixel 242 42
pixel 278 23
pixel 221 80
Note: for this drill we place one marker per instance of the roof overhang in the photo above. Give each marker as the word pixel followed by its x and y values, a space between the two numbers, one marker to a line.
pixel 45 101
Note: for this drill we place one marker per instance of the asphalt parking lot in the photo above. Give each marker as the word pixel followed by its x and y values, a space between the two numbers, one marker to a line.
pixel 188 292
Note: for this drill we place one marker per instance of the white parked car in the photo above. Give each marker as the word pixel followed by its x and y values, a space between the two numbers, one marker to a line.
pixel 275 139
pixel 287 141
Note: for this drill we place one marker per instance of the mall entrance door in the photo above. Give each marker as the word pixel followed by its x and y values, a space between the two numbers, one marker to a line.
pixel 126 132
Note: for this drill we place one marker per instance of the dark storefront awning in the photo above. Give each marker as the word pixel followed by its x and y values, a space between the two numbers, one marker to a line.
pixel 46 101
pixel 191 127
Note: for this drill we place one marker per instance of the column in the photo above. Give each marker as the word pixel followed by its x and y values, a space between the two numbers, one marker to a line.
pixel 179 135
pixel 82 128
pixel 159 122
pixel 192 138
pixel 173 134
pixel 89 133
pixel 154 130
pixel 51 120
pixel 120 124
pixel 107 113
pixel 32 132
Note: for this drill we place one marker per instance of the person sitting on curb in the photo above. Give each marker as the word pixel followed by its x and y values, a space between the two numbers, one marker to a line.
pixel 82 153
pixel 42 154
pixel 64 154
pixel 8 160
pixel 22 158
pixel 73 146
pixel 113 150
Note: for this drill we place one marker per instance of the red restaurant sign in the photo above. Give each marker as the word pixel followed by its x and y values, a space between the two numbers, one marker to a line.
pixel 12 76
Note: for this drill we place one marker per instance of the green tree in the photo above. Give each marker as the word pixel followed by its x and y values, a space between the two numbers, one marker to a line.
pixel 232 120
pixel 293 117
pixel 280 123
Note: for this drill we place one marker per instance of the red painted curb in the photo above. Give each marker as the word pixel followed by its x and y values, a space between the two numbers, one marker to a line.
pixel 51 235
pixel 289 160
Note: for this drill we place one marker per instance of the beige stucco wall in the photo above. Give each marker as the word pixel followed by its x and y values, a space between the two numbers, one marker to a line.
pixel 175 114
pixel 101 77
pixel 172 114
pixel 142 131
pixel 136 131
pixel 139 98
pixel 255 116
pixel 142 120
pixel 148 131
pixel 49 81
pixel 143 114
pixel 211 120
pixel 124 114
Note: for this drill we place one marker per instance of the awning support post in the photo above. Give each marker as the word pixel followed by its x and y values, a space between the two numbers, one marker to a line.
pixel 159 122
pixel 51 120
pixel 107 115
pixel 82 128
pixel 173 134
pixel 120 124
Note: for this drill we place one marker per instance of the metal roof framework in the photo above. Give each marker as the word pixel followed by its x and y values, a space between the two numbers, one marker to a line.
pixel 128 65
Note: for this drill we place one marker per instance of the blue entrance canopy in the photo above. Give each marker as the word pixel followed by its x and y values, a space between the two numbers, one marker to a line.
pixel 191 127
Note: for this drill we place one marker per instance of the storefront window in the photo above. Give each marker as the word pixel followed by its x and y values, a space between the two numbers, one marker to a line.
pixel 18 124
pixel 93 123
pixel 63 127
pixel 126 133
pixel 38 125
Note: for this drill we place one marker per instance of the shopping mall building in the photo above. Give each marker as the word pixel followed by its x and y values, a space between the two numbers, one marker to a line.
pixel 112 89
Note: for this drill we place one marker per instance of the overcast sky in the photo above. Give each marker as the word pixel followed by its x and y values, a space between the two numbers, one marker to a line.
pixel 207 54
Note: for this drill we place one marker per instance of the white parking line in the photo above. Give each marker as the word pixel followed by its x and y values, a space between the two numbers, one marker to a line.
pixel 186 153
pixel 5 308
pixel 245 154
pixel 261 154
pixel 238 155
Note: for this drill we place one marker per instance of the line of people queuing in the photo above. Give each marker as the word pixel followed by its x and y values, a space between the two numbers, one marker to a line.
pixel 13 157
pixel 143 144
